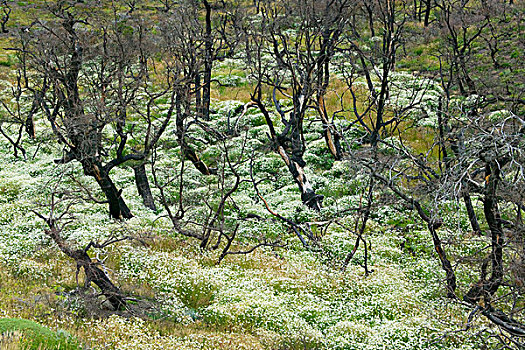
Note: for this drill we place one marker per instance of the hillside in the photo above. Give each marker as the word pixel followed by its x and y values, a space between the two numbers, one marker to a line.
pixel 262 175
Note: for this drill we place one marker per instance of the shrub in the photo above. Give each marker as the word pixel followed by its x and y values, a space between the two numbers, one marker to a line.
pixel 36 336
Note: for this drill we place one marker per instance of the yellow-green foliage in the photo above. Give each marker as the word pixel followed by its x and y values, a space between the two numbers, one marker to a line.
pixel 27 334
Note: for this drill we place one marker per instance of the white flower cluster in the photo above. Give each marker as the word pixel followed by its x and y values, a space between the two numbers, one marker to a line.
pixel 290 304
pixel 418 95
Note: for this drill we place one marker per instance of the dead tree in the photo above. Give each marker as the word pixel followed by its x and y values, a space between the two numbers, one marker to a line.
pixel 89 72
pixel 197 45
pixel 490 161
pixel 6 9
pixel 376 65
pixel 94 273
pixel 374 117
pixel 13 123
pixel 298 74
pixel 492 150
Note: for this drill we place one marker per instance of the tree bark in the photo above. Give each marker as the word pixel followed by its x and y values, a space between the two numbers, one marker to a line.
pixel 187 151
pixel 487 287
pixel 445 263
pixel 433 224
pixel 143 187
pixel 93 272
pixel 471 213
pixel 370 13
pixel 292 159
pixel 308 195
pixel 427 12
pixel 492 214
pixel 96 275
pixel 117 207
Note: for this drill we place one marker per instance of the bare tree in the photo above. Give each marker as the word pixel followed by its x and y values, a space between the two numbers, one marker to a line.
pixel 198 45
pixel 299 70
pixel 491 163
pixel 480 160
pixel 87 72
pixel 6 9
pixel 57 220
pixel 12 126
pixel 376 65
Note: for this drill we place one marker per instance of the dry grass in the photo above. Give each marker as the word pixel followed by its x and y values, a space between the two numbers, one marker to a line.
pixel 11 341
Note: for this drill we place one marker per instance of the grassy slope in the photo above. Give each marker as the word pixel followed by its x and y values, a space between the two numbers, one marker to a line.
pixel 283 299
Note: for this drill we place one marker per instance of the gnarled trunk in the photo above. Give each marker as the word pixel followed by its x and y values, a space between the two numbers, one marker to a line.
pixel 93 273
pixel 308 195
pixel 96 275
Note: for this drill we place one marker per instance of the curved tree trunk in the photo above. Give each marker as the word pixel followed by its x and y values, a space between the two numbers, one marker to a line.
pixel 93 273
pixel 187 151
pixel 433 225
pixel 191 155
pixel 117 207
pixel 293 159
pixel 308 195
pixel 96 275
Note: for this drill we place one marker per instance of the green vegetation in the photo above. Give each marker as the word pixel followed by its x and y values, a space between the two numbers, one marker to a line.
pixel 35 336
pixel 198 174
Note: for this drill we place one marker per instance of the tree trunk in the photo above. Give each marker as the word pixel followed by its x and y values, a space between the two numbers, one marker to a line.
pixel 187 151
pixel 486 288
pixel 427 12
pixel 370 14
pixel 445 263
pixel 117 207
pixel 190 154
pixel 308 195
pixel 96 275
pixel 433 224
pixel 471 213
pixel 295 162
pixel 492 214
pixel 198 95
pixel 143 187
pixel 93 272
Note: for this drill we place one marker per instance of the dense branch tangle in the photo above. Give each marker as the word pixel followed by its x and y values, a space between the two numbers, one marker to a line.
pixel 100 82
pixel 300 71
pixel 93 74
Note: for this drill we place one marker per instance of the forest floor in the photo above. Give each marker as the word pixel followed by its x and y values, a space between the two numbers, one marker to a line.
pixel 272 298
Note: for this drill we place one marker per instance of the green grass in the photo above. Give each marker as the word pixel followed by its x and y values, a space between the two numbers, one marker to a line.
pixel 36 336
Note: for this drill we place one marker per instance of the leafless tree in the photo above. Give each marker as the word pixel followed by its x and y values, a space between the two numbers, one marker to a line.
pixel 58 217
pixel 6 9
pixel 480 160
pixel 198 44
pixel 12 126
pixel 299 69
pixel 87 72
